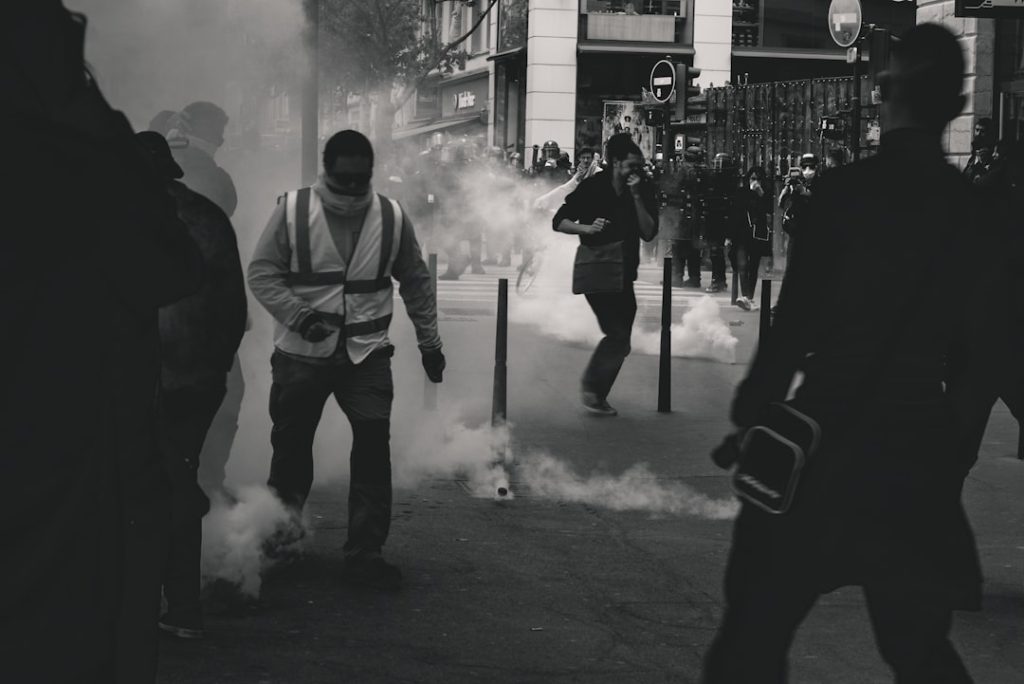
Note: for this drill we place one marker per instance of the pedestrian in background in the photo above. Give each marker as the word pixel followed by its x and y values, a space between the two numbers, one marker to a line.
pixel 751 234
pixel 721 197
pixel 878 503
pixel 198 133
pixel 610 212
pixel 686 251
pixel 795 198
pixel 199 337
pixel 323 268
pixel 85 513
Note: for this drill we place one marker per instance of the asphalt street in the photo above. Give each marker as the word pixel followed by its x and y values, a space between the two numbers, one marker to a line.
pixel 538 589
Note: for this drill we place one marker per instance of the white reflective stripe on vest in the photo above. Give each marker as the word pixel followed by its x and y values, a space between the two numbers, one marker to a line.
pixel 366 315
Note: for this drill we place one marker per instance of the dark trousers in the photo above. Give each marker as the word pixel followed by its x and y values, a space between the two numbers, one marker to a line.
pixel 746 261
pixel 184 416
pixel 716 251
pixel 217 448
pixel 686 254
pixel 364 392
pixel 615 313
pixel 768 595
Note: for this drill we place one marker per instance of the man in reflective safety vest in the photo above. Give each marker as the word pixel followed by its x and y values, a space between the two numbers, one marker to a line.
pixel 323 269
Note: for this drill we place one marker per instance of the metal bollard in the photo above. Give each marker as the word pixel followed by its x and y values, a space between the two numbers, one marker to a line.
pixel 665 362
pixel 735 286
pixel 498 403
pixel 429 388
pixel 766 311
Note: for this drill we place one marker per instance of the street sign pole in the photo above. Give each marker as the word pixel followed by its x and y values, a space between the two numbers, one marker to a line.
pixel 663 84
pixel 855 113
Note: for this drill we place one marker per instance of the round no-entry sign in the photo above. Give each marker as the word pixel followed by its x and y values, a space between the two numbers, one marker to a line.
pixel 844 21
pixel 663 80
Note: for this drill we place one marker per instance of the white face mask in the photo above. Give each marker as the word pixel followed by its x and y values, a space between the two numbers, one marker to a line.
pixel 809 173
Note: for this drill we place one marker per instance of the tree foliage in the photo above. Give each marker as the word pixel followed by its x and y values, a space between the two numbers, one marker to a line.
pixel 380 46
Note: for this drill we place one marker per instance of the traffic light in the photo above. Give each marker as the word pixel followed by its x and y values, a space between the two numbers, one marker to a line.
pixel 880 42
pixel 691 106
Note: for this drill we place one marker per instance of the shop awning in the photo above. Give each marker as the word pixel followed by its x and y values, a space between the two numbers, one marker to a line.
pixel 633 48
pixel 789 53
pixel 435 126
pixel 507 54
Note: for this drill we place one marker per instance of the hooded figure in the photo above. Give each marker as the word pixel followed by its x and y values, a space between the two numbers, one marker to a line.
pixel 202 124
pixel 85 511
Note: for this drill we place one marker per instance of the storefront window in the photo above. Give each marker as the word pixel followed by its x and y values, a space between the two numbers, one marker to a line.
pixel 663 7
pixel 512 17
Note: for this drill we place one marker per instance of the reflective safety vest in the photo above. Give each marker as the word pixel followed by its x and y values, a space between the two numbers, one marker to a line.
pixel 356 297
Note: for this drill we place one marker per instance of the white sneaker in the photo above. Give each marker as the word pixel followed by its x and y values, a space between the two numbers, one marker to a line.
pixel 743 303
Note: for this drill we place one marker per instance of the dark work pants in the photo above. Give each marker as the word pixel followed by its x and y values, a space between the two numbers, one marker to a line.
pixel 686 253
pixel 768 596
pixel 746 261
pixel 364 392
pixel 615 313
pixel 217 448
pixel 716 250
pixel 184 416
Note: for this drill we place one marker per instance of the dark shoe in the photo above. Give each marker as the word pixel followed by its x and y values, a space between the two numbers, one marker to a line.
pixel 182 627
pixel 373 572
pixel 596 405
pixel 717 286
pixel 690 284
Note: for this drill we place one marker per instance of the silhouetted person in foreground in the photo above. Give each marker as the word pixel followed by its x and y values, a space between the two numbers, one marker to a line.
pixel 878 505
pixel 199 336
pixel 85 512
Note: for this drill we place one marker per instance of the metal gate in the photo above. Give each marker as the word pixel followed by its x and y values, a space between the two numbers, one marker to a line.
pixel 771 124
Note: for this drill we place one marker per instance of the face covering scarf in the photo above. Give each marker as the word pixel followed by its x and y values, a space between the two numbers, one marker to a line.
pixel 343 205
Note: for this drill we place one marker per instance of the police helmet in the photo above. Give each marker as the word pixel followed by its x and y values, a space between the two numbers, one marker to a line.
pixel 809 159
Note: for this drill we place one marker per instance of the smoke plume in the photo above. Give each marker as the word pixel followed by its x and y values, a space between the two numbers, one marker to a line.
pixel 637 489
pixel 234 534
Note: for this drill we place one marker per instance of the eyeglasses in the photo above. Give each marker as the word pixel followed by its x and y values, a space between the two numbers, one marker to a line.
pixel 350 178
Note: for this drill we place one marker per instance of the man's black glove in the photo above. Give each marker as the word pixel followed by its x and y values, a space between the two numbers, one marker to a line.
pixel 434 364
pixel 314 329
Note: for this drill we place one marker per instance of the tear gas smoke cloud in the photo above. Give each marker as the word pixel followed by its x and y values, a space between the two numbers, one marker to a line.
pixel 554 310
pixel 150 55
pixel 637 489
pixel 233 537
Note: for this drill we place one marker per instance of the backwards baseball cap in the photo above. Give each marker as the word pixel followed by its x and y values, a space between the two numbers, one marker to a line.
pixel 155 145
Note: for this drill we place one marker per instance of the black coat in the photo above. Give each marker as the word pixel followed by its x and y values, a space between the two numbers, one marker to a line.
pixel 200 334
pixel 95 250
pixel 874 331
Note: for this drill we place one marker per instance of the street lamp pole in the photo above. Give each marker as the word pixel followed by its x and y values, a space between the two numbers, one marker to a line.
pixel 310 94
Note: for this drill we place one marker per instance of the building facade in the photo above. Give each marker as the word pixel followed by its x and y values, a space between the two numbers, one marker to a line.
pixel 573 71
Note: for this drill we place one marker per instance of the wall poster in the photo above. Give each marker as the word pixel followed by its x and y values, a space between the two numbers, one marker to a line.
pixel 626 116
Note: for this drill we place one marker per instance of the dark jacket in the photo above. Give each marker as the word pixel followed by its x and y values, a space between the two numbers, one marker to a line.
pixel 203 175
pixel 749 217
pixel 85 510
pixel 200 334
pixel 596 198
pixel 881 499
